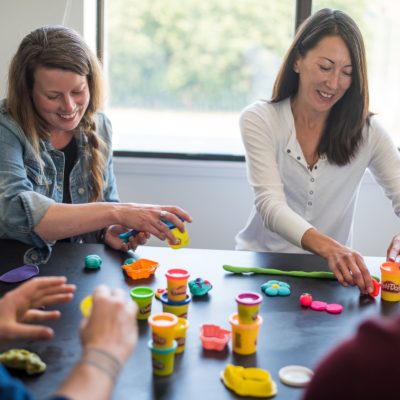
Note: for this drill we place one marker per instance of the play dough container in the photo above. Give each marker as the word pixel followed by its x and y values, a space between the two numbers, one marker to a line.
pixel 248 304
pixel 183 238
pixel 163 329
pixel 244 336
pixel 162 360
pixel 178 308
pixel 177 280
pixel 180 334
pixel 390 282
pixel 143 296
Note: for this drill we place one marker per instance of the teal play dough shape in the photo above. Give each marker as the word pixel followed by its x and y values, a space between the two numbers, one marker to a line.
pixel 93 261
pixel 199 287
pixel 276 288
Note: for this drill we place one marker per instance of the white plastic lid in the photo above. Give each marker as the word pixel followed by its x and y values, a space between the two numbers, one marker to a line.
pixel 295 375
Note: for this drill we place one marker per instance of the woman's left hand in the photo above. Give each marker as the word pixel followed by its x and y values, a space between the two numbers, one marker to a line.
pixel 112 239
pixel 393 250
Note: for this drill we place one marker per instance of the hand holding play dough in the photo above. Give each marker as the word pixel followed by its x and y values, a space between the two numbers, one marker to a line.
pixel 23 359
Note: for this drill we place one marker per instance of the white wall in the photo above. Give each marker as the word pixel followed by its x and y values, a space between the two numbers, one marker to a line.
pixel 219 199
pixel 215 193
pixel 19 17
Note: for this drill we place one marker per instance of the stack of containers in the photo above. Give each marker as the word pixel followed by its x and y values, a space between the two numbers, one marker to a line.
pixel 177 298
pixel 176 301
pixel 246 323
pixel 163 344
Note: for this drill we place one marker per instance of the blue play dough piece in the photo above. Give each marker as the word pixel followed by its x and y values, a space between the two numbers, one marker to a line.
pixel 269 288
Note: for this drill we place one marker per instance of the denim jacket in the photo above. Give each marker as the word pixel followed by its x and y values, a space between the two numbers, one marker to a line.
pixel 26 192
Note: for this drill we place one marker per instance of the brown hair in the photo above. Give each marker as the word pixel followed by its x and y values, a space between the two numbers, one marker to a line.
pixel 63 48
pixel 342 134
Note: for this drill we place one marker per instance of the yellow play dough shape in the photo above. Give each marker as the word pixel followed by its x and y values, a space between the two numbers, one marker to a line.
pixel 255 382
pixel 86 306
pixel 23 359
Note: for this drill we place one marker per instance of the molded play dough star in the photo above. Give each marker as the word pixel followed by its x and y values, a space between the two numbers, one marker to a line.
pixel 276 288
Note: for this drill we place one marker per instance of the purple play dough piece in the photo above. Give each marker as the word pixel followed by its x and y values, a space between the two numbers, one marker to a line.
pixel 20 274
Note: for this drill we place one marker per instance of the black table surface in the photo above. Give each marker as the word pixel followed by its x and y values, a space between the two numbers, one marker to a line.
pixel 289 334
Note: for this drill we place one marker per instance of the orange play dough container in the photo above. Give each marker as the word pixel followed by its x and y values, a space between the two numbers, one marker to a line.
pixel 390 281
pixel 244 336
pixel 163 329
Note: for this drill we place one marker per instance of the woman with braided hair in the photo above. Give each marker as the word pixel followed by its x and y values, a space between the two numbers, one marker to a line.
pixel 56 171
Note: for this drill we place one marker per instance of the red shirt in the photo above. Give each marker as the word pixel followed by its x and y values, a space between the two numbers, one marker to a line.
pixel 367 366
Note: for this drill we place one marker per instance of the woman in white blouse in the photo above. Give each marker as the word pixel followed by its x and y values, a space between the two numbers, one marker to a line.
pixel 308 148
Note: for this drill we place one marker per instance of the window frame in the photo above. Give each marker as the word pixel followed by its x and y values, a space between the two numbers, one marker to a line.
pixel 303 10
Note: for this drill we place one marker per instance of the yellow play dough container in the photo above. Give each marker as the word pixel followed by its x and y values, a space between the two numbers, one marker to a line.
pixel 183 238
pixel 180 334
pixel 163 329
pixel 390 280
pixel 244 336
pixel 162 360
pixel 248 305
pixel 177 281
pixel 178 308
pixel 143 296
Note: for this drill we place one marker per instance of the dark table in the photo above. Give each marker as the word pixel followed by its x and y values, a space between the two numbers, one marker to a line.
pixel 289 334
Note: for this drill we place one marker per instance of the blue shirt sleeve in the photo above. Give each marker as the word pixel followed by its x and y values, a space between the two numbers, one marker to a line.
pixel 11 388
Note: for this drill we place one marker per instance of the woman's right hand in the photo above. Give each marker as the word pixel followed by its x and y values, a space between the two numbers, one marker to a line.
pixel 112 325
pixel 112 239
pixel 347 264
pixel 149 218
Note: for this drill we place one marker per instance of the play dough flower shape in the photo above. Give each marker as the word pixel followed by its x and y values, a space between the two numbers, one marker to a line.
pixel 276 288
pixel 199 287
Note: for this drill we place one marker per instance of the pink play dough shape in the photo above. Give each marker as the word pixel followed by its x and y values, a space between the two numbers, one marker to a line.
pixel 334 308
pixel 318 305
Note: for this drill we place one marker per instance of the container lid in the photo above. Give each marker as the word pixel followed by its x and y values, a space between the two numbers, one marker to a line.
pixel 177 273
pixel 163 319
pixel 391 267
pixel 234 320
pixel 162 351
pixel 249 298
pixel 164 299
pixel 142 292
pixel 295 375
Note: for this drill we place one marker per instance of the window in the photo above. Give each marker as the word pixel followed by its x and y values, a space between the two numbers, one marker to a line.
pixel 379 25
pixel 179 72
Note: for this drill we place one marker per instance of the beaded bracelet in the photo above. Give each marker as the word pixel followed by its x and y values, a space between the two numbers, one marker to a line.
pixel 103 361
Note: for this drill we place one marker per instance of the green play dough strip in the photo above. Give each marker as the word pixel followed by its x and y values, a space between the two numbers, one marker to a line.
pixel 271 271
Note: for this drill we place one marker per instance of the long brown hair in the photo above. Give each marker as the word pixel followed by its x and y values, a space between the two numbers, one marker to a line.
pixel 63 48
pixel 342 134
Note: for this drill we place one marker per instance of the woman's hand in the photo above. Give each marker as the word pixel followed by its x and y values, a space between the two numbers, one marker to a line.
pixel 112 325
pixel 394 249
pixel 348 265
pixel 151 219
pixel 112 239
pixel 20 308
